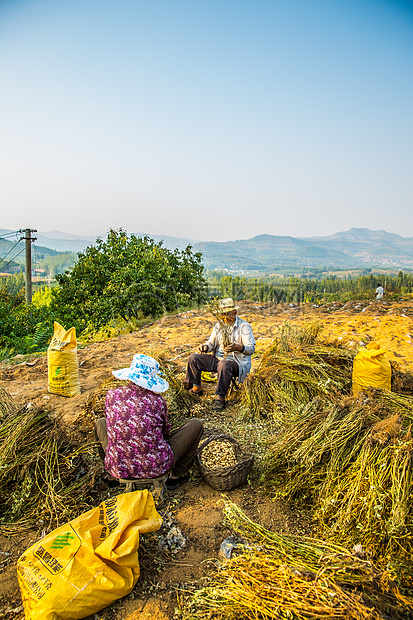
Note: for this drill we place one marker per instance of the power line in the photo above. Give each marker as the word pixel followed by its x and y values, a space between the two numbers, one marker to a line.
pixel 10 261
pixel 10 234
pixel 11 249
pixel 28 265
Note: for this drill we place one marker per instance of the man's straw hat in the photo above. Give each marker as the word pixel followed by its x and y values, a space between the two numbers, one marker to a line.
pixel 227 305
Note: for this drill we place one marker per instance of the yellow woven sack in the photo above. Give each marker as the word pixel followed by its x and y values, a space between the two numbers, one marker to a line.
pixel 371 369
pixel 88 563
pixel 62 362
pixel 209 377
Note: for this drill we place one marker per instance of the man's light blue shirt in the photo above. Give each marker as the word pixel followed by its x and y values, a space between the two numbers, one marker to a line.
pixel 241 333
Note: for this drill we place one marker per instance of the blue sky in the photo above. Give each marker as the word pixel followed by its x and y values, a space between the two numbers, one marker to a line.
pixel 210 120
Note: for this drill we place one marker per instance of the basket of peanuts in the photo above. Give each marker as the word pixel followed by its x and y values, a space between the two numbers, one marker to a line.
pixel 222 463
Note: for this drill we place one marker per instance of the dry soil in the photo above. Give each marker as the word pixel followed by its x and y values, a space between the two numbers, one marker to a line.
pixel 195 508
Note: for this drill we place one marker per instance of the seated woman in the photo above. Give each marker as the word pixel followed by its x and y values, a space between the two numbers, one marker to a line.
pixel 135 437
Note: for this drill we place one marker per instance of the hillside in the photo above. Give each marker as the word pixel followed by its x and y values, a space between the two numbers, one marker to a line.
pixel 195 508
pixel 14 252
pixel 353 249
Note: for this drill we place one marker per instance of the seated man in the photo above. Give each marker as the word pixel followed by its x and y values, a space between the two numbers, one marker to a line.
pixel 232 360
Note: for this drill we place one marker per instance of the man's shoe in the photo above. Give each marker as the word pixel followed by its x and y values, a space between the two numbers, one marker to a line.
pixel 199 393
pixel 173 483
pixel 218 405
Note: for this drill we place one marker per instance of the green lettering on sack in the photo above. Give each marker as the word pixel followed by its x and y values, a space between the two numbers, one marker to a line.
pixel 62 541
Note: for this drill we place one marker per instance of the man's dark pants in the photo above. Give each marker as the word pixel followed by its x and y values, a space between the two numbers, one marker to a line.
pixel 224 367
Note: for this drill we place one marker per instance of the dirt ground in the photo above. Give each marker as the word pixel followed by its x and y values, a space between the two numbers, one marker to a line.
pixel 195 508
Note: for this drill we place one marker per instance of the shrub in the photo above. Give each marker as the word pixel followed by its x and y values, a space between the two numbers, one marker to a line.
pixel 128 277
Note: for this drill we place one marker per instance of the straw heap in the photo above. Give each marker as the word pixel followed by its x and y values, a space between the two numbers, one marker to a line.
pixel 348 461
pixel 351 463
pixel 293 371
pixel 44 480
pixel 280 576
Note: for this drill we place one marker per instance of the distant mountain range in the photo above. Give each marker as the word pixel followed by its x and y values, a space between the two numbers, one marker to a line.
pixel 355 248
pixel 65 242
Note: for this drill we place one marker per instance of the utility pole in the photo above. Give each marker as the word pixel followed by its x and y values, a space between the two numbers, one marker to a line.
pixel 28 272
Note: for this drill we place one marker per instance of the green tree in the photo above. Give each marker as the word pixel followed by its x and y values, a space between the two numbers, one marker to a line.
pixel 127 276
pixel 13 284
pixel 23 328
pixel 58 263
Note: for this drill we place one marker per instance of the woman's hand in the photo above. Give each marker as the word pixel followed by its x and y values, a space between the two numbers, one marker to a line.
pixel 203 348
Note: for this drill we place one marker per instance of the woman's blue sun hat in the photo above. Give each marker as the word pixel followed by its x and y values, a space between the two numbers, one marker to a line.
pixel 144 371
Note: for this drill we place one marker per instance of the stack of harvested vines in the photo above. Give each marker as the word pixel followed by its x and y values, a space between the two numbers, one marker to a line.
pixel 7 404
pixel 351 463
pixel 94 406
pixel 180 401
pixel 401 382
pixel 293 371
pixel 280 576
pixel 44 480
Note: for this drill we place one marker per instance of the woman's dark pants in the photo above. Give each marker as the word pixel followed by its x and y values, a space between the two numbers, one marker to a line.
pixel 184 443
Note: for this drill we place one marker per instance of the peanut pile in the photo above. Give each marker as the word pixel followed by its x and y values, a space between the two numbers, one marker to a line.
pixel 218 454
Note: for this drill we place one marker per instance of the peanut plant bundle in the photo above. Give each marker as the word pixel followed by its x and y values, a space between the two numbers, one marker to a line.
pixel 94 405
pixel 351 464
pixel 215 309
pixel 44 480
pixel 179 400
pixel 282 576
pixel 401 382
pixel 293 371
pixel 7 404
pixel 371 503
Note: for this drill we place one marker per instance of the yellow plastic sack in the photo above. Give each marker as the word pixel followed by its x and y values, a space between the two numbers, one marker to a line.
pixel 88 563
pixel 209 377
pixel 62 362
pixel 371 369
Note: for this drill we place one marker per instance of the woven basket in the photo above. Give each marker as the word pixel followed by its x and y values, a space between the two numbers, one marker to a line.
pixel 225 478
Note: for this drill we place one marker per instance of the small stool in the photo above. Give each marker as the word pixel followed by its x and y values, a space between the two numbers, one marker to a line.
pixel 133 484
pixel 233 386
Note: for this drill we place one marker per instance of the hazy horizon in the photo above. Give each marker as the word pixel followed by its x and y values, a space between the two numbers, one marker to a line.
pixel 61 235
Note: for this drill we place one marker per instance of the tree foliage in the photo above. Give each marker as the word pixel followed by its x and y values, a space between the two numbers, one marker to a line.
pixel 58 263
pixel 23 328
pixel 127 276
pixel 321 290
